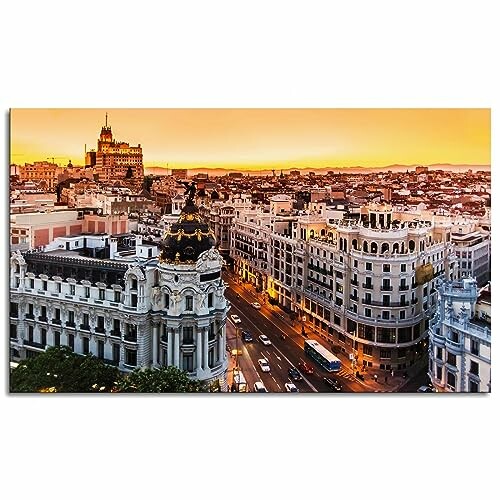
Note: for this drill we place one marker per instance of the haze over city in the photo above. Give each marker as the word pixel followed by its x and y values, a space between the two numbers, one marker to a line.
pixel 261 139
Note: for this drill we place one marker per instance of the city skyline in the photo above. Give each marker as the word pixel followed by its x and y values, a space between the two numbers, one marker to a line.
pixel 260 139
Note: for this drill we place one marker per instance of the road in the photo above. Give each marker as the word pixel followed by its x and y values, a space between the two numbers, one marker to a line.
pixel 282 354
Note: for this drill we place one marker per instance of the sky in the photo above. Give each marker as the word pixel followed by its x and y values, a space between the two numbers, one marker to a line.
pixel 259 139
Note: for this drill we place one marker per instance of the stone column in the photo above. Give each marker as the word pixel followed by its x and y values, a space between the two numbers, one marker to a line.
pixel 176 349
pixel 155 344
pixel 170 349
pixel 220 344
pixel 199 347
pixel 205 348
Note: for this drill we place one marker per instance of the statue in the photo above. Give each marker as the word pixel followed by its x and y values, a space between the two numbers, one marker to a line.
pixel 190 190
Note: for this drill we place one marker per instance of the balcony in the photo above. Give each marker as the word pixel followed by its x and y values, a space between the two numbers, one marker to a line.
pixel 111 362
pixel 414 301
pixel 100 329
pixel 85 326
pixel 71 324
pixel 368 286
pixel 368 302
pixel 355 282
pixel 386 288
pixel 56 321
pixel 31 343
pixel 116 333
pixel 30 316
pixel 403 288
pixel 354 297
pixel 130 338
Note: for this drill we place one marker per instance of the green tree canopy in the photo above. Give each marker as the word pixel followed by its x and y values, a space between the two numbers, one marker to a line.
pixel 163 379
pixel 59 369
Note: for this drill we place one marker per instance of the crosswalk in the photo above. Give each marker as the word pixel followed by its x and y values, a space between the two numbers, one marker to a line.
pixel 346 374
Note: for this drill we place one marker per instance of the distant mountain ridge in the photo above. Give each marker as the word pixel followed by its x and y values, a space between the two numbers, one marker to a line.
pixel 219 171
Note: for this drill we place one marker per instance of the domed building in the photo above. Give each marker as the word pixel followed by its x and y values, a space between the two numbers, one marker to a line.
pixel 130 303
pixel 189 305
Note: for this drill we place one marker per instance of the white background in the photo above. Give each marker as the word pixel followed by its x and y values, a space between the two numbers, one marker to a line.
pixel 255 54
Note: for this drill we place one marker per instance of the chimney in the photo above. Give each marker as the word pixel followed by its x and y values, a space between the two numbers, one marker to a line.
pixel 113 247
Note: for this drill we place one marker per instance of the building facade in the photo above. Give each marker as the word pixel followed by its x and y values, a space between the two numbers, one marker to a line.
pixel 132 307
pixel 366 285
pixel 116 160
pixel 460 338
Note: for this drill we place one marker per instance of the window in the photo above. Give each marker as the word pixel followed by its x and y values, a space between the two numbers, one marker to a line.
pixel 86 348
pixel 71 318
pixel 116 353
pixel 439 353
pixel 13 331
pixel 473 386
pixel 71 341
pixel 474 368
pixel 43 336
pixel 44 284
pixel 368 313
pixel 102 293
pixel 355 263
pixel 385 315
pixel 133 299
pixel 187 335
pixel 385 353
pixel 100 349
pixel 100 324
pixel 58 287
pixel 367 350
pixel 386 268
pixel 14 310
pixel 450 380
pixel 368 266
pixel 117 296
pixel 187 362
pixel 452 359
pixel 189 303
pixel 87 292
pixel 72 289
pixel 210 300
pixel 85 322
pixel 57 338
pixel 403 268
pixel 474 347
pixel 167 301
pixel 116 327
pixel 402 314
pixel 130 357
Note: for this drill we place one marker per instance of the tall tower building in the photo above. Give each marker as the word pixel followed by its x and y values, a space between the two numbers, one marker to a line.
pixel 116 160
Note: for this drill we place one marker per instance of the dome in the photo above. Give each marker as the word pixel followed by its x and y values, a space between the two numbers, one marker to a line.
pixel 188 238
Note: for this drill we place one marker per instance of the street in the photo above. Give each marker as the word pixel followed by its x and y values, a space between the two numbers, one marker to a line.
pixel 282 354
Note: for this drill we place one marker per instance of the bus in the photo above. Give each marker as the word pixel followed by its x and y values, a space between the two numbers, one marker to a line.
pixel 239 382
pixel 322 356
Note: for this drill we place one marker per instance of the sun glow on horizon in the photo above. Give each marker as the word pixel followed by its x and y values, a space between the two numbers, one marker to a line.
pixel 260 139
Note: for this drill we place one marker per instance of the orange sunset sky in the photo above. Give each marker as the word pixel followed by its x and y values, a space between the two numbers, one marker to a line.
pixel 253 139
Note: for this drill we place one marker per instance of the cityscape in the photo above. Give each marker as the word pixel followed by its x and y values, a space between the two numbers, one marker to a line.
pixel 243 251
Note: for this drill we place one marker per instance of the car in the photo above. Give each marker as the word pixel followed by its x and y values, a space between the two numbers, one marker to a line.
pixel 294 374
pixel 333 384
pixel 425 388
pixel 264 339
pixel 259 387
pixel 264 365
pixel 246 336
pixel 305 368
pixel 291 387
pixel 256 305
pixel 235 319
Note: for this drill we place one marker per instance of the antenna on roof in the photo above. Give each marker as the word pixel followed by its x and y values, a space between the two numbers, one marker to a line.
pixel 106 119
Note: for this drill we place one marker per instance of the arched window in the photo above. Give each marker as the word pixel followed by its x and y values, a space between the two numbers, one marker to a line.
pixel 411 246
pixel 395 248
pixel 311 233
pixel 365 246
pixel 374 247
pixel 385 247
pixel 355 244
pixel 323 232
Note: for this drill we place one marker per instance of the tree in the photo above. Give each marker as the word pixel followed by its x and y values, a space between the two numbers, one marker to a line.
pixel 163 379
pixel 59 369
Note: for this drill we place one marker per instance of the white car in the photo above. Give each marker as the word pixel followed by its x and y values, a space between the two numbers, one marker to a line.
pixel 259 387
pixel 291 387
pixel 264 339
pixel 256 305
pixel 236 319
pixel 264 365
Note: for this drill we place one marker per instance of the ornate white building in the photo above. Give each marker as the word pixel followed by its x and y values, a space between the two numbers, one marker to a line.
pixel 460 339
pixel 128 306
pixel 366 284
